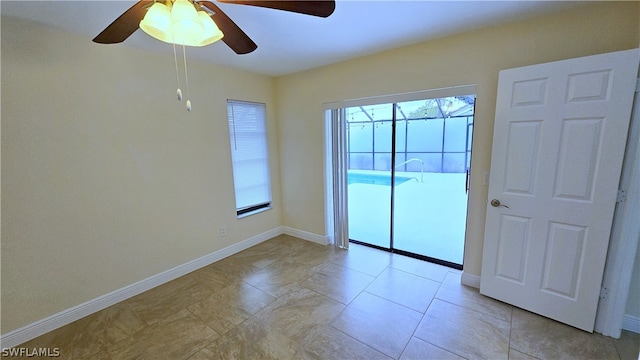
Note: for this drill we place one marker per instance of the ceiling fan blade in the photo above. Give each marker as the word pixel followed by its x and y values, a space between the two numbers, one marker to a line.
pixel 308 7
pixel 125 25
pixel 234 37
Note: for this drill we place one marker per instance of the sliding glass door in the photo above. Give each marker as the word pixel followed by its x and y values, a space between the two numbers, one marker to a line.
pixel 369 147
pixel 433 152
pixel 407 176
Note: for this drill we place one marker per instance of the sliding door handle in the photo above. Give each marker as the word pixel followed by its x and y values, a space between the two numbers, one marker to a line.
pixel 466 183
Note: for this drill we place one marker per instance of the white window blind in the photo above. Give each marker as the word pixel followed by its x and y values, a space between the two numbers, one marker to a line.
pixel 248 135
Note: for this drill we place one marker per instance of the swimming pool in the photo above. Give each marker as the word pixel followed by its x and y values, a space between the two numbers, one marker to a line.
pixel 375 179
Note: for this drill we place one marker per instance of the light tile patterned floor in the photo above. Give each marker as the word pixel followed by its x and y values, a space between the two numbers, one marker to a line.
pixel 291 299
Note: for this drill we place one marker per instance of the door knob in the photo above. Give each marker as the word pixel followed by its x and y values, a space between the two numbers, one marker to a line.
pixel 496 203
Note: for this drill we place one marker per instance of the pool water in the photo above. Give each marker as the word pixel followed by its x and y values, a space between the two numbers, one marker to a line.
pixel 375 179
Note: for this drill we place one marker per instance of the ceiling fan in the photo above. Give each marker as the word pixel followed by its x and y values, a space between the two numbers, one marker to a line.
pixel 127 23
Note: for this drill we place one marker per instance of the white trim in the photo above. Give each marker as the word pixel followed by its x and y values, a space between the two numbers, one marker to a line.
pixel 625 234
pixel 328 177
pixel 305 235
pixel 631 323
pixel 470 280
pixel 459 90
pixel 40 327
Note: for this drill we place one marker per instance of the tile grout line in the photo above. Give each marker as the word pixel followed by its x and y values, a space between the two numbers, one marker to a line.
pixel 423 316
pixel 510 332
pixel 413 334
pixel 470 309
pixel 329 324
pixel 361 342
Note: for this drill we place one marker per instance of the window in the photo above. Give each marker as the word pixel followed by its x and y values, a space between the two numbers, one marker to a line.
pixel 248 135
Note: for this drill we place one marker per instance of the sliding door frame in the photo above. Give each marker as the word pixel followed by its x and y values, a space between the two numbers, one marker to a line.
pixel 336 202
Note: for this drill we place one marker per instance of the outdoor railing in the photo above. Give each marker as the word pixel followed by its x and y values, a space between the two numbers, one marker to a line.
pixel 421 166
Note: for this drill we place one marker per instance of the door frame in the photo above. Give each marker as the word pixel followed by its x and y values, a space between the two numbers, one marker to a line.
pixel 336 221
pixel 625 237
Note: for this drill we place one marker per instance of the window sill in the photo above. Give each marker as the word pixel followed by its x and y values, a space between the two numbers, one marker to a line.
pixel 253 212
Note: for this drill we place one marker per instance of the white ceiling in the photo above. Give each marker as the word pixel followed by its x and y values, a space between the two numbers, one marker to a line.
pixel 290 42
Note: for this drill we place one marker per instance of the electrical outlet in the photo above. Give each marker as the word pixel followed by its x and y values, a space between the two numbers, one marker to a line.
pixel 223 230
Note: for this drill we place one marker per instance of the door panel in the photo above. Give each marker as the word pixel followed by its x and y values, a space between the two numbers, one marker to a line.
pixel 430 198
pixel 522 154
pixel 369 173
pixel 589 86
pixel 580 144
pixel 515 232
pixel 565 254
pixel 559 138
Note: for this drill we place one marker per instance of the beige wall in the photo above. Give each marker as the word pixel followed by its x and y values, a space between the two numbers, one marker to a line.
pixel 470 58
pixel 106 178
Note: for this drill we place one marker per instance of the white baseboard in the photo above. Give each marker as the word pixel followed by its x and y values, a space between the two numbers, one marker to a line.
pixel 33 330
pixel 305 235
pixel 631 323
pixel 470 280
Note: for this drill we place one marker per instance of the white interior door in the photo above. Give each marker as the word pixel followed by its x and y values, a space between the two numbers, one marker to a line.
pixel 558 145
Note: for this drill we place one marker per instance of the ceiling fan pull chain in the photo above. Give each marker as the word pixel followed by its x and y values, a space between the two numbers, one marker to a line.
pixel 175 61
pixel 186 76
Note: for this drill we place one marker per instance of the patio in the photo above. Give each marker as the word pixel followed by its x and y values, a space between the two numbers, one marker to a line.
pixel 430 216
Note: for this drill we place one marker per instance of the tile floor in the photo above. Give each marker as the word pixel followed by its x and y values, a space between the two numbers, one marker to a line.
pixel 291 299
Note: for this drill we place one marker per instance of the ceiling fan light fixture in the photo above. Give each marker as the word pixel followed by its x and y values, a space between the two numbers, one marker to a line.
pixel 180 23
pixel 186 25
pixel 157 22
pixel 190 23
pixel 211 31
